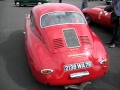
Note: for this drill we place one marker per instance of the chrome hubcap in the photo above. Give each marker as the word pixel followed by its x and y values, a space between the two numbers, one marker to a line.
pixel 17 4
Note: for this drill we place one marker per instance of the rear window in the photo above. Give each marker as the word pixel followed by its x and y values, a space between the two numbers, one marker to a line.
pixel 56 18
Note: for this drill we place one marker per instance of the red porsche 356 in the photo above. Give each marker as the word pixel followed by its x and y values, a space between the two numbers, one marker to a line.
pixel 61 47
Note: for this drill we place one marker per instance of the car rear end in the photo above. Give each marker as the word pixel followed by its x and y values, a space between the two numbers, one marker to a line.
pixel 75 57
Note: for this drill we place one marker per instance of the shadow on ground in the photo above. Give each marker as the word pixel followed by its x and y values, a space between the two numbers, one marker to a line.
pixel 13 53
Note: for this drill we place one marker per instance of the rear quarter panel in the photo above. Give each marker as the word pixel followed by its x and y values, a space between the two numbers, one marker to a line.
pixel 93 13
pixel 98 16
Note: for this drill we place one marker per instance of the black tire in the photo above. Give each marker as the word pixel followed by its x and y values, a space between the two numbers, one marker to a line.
pixel 107 2
pixel 88 18
pixel 24 5
pixel 18 4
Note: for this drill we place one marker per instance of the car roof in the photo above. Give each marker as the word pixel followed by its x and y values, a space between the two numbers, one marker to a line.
pixel 54 7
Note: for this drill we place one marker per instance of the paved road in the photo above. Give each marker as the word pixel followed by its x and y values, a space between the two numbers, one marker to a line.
pixel 14 69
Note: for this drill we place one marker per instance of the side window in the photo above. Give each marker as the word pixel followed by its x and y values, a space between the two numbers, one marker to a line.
pixel 32 24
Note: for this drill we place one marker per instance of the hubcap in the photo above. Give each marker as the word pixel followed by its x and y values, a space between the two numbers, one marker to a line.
pixel 17 4
pixel 39 3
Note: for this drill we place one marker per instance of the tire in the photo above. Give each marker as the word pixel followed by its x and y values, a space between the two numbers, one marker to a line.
pixel 107 2
pixel 88 18
pixel 24 5
pixel 18 4
pixel 39 3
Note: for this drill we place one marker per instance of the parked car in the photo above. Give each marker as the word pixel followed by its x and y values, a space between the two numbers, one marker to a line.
pixel 108 1
pixel 61 47
pixel 29 2
pixel 98 15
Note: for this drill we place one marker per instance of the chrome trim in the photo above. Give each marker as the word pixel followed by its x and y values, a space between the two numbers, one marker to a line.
pixel 104 61
pixel 79 74
pixel 64 23
pixel 42 71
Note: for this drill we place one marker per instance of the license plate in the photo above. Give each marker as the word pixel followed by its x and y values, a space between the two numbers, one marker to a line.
pixel 76 66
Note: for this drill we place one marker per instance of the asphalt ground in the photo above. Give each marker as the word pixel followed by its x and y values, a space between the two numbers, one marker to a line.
pixel 14 69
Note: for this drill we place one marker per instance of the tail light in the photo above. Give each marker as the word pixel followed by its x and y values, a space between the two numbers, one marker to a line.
pixel 103 61
pixel 46 71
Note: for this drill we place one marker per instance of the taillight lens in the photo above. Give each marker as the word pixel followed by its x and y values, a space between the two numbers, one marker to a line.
pixel 46 71
pixel 103 61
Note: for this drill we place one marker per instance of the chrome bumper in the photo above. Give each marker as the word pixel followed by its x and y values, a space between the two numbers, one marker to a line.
pixel 79 74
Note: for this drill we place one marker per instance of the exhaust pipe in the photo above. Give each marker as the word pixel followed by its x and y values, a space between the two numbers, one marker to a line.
pixel 77 87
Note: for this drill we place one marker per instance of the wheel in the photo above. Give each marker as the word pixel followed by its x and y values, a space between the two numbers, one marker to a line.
pixel 88 18
pixel 39 3
pixel 18 4
pixel 24 5
pixel 107 2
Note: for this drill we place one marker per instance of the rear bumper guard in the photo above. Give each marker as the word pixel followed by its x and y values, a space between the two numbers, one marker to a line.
pixel 79 74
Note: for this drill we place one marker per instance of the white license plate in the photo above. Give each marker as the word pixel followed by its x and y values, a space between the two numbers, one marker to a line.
pixel 76 66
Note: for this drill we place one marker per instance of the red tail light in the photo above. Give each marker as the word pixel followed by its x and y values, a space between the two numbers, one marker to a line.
pixel 46 71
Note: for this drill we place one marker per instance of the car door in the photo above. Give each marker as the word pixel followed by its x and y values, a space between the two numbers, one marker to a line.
pixel 33 1
pixel 25 1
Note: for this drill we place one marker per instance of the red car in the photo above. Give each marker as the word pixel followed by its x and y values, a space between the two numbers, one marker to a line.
pixel 61 47
pixel 98 15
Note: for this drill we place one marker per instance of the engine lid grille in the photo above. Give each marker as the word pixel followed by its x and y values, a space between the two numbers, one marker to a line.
pixel 84 40
pixel 58 43
pixel 71 38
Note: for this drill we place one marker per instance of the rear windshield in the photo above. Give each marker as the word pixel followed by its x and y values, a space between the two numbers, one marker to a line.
pixel 56 18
